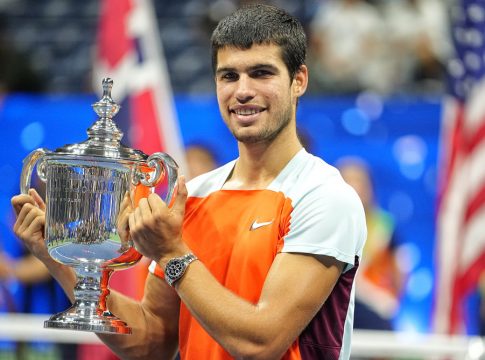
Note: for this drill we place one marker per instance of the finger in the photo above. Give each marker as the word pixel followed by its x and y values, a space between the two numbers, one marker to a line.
pixel 122 224
pixel 156 203
pixel 144 208
pixel 126 203
pixel 138 215
pixel 37 224
pixel 124 212
pixel 31 217
pixel 180 197
pixel 132 196
pixel 132 221
pixel 19 201
pixel 37 198
pixel 125 207
pixel 19 224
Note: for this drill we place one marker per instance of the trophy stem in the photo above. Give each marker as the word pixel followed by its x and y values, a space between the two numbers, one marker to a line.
pixel 89 311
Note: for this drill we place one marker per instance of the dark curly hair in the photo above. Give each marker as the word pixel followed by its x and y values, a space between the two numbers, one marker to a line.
pixel 262 24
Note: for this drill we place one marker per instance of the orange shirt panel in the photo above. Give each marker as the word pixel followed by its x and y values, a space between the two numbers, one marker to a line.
pixel 236 234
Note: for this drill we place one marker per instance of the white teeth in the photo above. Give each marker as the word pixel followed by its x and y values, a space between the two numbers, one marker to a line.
pixel 246 111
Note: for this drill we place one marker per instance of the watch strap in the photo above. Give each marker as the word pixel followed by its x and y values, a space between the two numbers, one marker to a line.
pixel 176 267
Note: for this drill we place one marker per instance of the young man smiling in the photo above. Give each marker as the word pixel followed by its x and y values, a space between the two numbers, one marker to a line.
pixel 257 258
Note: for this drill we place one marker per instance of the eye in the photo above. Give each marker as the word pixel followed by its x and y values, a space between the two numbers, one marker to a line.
pixel 229 76
pixel 261 73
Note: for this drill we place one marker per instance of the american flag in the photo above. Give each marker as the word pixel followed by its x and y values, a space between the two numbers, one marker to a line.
pixel 129 51
pixel 461 211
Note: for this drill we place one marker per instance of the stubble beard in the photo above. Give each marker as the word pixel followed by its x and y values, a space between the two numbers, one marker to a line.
pixel 269 133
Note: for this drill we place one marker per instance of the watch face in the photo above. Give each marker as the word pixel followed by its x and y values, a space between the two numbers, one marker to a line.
pixel 175 268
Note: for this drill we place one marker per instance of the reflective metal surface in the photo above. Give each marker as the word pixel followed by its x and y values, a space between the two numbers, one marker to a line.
pixel 85 186
pixel 84 202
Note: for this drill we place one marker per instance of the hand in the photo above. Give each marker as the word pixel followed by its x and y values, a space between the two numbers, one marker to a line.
pixel 29 226
pixel 156 229
pixel 122 225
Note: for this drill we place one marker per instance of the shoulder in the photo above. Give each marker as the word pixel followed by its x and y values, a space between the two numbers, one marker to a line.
pixel 310 176
pixel 205 184
pixel 322 188
pixel 327 217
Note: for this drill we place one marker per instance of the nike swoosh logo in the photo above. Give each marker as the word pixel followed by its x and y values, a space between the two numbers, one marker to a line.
pixel 256 225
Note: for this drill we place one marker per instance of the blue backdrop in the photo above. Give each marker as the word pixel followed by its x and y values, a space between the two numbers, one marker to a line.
pixel 398 137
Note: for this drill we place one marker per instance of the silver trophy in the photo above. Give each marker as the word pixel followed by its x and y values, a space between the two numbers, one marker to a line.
pixel 85 186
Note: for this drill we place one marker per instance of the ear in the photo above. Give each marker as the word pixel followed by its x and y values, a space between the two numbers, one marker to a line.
pixel 300 81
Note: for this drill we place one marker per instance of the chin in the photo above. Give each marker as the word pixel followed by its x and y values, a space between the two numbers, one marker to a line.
pixel 246 137
pixel 249 140
pixel 254 138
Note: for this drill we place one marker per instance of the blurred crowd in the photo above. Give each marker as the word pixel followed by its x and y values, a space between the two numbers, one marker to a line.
pixel 383 46
pixel 378 45
pixel 398 46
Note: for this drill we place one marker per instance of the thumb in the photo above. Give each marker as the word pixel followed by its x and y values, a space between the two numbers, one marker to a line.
pixel 180 196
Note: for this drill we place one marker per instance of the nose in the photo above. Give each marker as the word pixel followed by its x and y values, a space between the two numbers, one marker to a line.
pixel 244 90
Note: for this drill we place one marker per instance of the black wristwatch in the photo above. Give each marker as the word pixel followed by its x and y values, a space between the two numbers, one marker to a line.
pixel 176 267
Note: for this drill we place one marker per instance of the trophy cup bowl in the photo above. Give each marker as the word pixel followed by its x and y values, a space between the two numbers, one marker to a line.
pixel 85 187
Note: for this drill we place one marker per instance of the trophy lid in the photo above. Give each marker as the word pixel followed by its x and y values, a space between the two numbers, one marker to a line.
pixel 104 136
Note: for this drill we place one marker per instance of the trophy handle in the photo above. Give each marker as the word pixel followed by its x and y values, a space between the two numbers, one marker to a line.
pixel 164 165
pixel 28 166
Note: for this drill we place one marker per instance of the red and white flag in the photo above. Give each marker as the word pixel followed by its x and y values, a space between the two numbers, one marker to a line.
pixel 461 211
pixel 129 51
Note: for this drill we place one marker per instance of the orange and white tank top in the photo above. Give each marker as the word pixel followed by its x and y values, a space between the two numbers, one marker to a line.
pixel 308 208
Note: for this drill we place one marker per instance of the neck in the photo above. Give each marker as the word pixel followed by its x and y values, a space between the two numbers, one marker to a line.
pixel 260 163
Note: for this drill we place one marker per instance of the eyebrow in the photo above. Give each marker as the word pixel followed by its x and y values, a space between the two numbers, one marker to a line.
pixel 250 68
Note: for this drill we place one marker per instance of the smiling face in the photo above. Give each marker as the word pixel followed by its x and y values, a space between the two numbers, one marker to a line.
pixel 257 99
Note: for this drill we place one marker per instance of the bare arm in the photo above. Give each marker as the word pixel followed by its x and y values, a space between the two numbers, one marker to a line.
pixel 154 320
pixel 295 288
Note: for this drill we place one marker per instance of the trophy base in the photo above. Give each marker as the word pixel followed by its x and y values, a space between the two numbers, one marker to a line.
pixel 71 319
